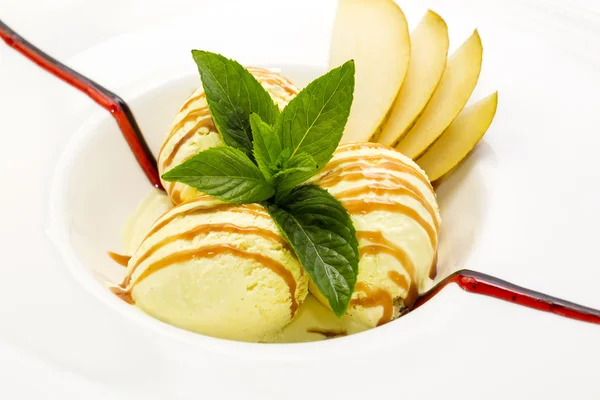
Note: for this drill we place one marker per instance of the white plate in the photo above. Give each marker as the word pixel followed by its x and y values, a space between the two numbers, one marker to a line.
pixel 527 199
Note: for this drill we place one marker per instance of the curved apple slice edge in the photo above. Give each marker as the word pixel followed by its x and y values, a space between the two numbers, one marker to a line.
pixel 429 54
pixel 452 94
pixel 375 35
pixel 459 139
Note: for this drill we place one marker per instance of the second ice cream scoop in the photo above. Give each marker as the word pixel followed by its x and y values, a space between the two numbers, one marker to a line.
pixel 395 213
pixel 193 129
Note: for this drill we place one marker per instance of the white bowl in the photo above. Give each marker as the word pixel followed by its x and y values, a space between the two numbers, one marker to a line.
pixel 98 185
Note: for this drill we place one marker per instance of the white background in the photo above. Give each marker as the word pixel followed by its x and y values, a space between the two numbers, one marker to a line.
pixel 34 360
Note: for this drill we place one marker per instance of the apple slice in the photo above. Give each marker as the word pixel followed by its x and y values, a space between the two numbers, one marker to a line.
pixel 373 33
pixel 450 97
pixel 429 52
pixel 460 138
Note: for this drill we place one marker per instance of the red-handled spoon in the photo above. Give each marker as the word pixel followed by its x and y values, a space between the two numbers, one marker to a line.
pixel 104 97
pixel 480 283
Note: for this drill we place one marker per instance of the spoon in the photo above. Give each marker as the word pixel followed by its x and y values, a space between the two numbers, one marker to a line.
pixel 104 97
pixel 484 284
pixel 470 281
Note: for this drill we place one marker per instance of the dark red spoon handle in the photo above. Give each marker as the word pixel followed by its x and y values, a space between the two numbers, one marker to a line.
pixel 480 283
pixel 104 97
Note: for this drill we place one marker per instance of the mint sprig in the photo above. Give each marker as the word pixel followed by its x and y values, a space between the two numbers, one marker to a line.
pixel 233 94
pixel 225 173
pixel 313 122
pixel 323 237
pixel 268 155
pixel 266 146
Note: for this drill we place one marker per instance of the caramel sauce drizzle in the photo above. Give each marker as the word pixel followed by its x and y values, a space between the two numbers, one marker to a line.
pixel 329 334
pixel 191 100
pixel 274 79
pixel 383 190
pixel 363 145
pixel 381 245
pixel 362 164
pixel 375 297
pixel 205 122
pixel 191 116
pixel 282 83
pixel 253 209
pixel 216 250
pixel 119 258
pixel 176 196
pixel 384 245
pixel 173 192
pixel 400 280
pixel 433 268
pixel 208 228
pixel 122 294
pixel 358 207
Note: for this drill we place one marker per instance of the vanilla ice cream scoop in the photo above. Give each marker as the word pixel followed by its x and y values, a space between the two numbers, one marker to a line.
pixel 396 217
pixel 193 129
pixel 218 269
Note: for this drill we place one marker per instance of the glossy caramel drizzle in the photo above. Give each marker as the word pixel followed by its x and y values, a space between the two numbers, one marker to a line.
pixel 173 192
pixel 191 116
pixel 433 268
pixel 384 190
pixel 400 280
pixel 208 228
pixel 122 294
pixel 356 146
pixel 216 250
pixel 375 297
pixel 329 334
pixel 176 196
pixel 273 78
pixel 284 84
pixel 205 122
pixel 381 245
pixel 363 145
pixel 363 207
pixel 191 100
pixel 384 245
pixel 252 209
pixel 119 258
pixel 364 164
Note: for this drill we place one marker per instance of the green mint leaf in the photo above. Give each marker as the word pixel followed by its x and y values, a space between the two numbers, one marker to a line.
pixel 233 94
pixel 296 170
pixel 225 173
pixel 313 122
pixel 301 162
pixel 322 235
pixel 266 145
pixel 281 159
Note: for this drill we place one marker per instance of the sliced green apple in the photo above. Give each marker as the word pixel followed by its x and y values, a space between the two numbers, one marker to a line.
pixel 429 52
pixel 373 33
pixel 453 92
pixel 460 138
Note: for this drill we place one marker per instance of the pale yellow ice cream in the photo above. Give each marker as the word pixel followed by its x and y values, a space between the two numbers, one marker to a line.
pixel 219 278
pixel 193 129
pixel 395 213
pixel 313 320
pixel 218 269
